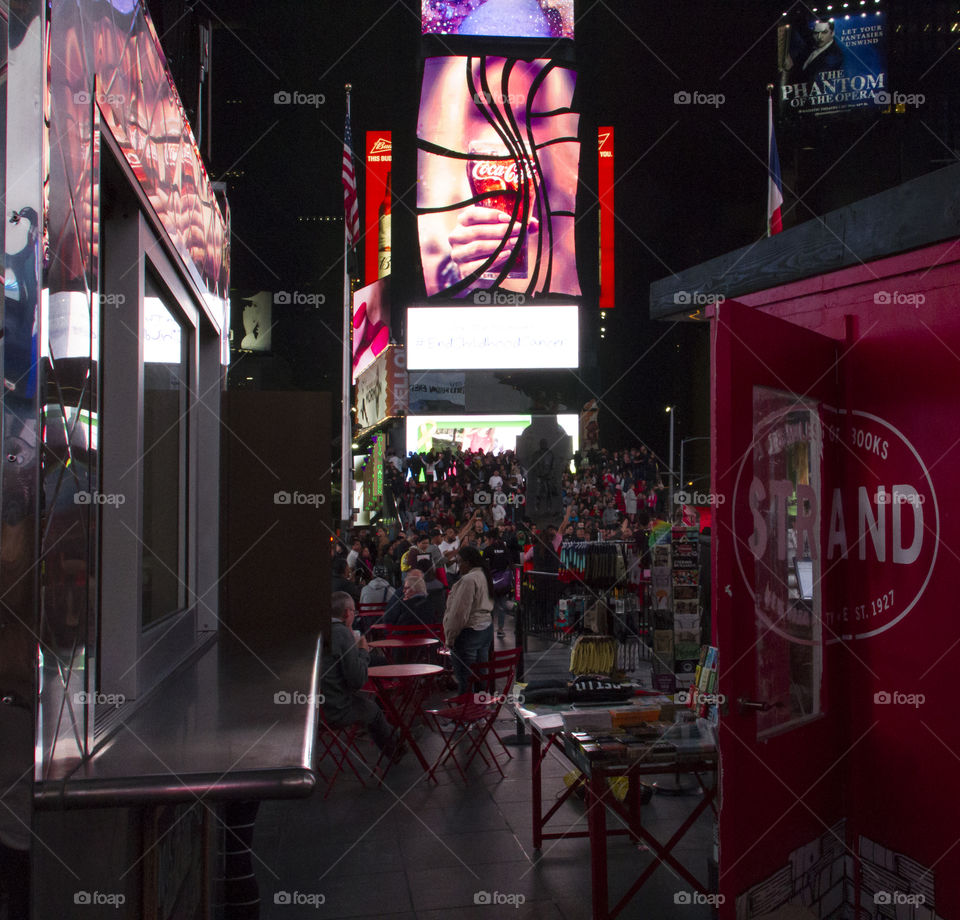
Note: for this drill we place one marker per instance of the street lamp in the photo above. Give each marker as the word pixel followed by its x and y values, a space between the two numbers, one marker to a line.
pixel 672 412
pixel 682 444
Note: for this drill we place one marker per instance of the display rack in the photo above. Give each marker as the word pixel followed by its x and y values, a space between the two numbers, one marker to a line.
pixel 594 591
pixel 677 608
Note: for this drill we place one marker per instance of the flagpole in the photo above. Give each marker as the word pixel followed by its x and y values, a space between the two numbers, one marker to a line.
pixel 769 149
pixel 346 427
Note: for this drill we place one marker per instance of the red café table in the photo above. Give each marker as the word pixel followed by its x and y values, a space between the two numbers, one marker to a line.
pixel 386 645
pixel 414 678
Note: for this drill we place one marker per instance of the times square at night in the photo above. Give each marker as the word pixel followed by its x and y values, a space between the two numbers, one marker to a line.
pixel 480 291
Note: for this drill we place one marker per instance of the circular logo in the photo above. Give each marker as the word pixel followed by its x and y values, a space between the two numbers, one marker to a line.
pixel 860 533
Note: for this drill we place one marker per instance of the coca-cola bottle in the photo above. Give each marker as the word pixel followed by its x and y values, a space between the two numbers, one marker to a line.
pixel 499 183
pixel 383 232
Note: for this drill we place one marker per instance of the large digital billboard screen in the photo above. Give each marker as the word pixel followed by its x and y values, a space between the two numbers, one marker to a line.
pixel 509 18
pixel 492 338
pixel 834 65
pixel 497 163
pixel 371 324
pixel 490 433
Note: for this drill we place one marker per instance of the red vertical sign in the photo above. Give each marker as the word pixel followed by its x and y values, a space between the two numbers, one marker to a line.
pixel 377 206
pixel 605 194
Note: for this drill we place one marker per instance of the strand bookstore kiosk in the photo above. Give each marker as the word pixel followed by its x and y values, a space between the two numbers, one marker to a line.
pixel 835 380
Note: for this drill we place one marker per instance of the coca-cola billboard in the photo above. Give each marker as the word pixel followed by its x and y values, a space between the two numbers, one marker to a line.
pixel 497 164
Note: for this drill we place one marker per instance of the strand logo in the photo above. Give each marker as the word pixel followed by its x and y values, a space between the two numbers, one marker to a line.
pixel 296 698
pixel 899 299
pixel 695 897
pixel 885 698
pixel 297 98
pixel 482 497
pixel 898 897
pixel 697 299
pixel 696 98
pixel 300 898
pixel 299 298
pixel 97 898
pixel 699 498
pixel 498 298
pixel 499 897
pixel 880 520
pixel 299 498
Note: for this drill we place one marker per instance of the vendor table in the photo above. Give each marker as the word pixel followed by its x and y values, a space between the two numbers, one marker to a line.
pixel 600 798
pixel 402 704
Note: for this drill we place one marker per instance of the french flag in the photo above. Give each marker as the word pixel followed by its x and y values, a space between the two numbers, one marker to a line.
pixel 774 185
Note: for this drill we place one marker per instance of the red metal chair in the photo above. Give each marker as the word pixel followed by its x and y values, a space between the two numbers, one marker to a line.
pixel 473 715
pixel 371 611
pixel 339 745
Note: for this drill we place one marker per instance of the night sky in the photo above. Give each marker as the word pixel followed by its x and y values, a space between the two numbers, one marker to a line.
pixel 691 179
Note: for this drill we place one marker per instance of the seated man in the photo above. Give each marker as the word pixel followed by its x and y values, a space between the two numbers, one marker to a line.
pixel 378 590
pixel 415 607
pixel 345 664
pixel 341 579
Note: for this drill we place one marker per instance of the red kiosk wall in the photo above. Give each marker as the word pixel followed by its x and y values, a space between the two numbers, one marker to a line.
pixel 898 320
pixel 784 789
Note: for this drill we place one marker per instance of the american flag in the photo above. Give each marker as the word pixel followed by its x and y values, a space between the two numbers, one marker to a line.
pixel 351 211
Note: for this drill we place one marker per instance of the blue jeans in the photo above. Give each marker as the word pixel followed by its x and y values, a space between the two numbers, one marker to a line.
pixel 471 646
pixel 500 606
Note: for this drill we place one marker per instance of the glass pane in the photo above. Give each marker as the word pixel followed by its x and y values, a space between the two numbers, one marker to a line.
pixel 164 457
pixel 785 543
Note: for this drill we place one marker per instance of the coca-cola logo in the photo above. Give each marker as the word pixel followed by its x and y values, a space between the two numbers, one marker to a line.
pixel 504 170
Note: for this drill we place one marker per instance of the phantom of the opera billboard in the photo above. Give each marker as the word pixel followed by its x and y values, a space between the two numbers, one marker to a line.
pixel 497 162
pixel 829 66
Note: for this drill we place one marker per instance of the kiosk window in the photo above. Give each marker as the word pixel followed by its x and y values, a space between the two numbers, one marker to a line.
pixel 165 404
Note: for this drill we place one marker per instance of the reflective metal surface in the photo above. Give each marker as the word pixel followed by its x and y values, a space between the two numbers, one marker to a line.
pixel 224 727
pixel 19 463
pixel 104 70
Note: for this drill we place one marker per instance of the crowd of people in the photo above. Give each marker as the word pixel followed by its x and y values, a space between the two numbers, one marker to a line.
pixel 459 526
pixel 452 498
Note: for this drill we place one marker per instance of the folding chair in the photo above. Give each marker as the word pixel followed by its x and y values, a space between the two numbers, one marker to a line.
pixel 339 745
pixel 474 714
pixel 369 614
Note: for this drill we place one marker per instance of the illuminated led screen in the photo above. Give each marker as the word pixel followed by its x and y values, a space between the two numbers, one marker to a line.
pixel 491 433
pixel 513 18
pixel 497 164
pixel 491 338
pixel 371 324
